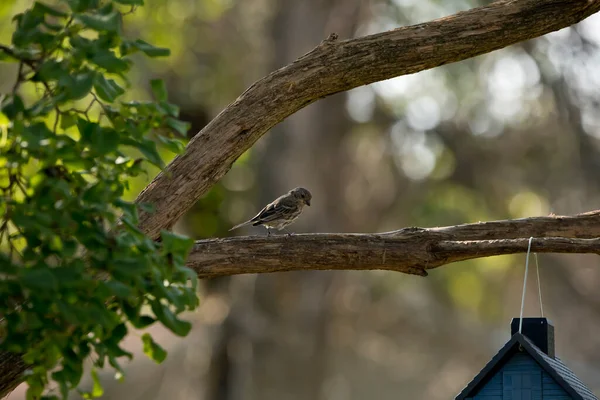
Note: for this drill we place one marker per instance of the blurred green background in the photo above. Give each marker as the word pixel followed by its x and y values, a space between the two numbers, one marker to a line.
pixel 510 134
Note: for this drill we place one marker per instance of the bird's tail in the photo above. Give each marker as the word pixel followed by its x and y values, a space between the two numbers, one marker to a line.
pixel 242 224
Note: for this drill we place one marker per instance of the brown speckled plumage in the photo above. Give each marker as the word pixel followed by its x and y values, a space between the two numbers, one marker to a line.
pixel 282 211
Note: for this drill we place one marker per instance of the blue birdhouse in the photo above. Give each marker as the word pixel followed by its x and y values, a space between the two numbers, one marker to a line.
pixel 526 368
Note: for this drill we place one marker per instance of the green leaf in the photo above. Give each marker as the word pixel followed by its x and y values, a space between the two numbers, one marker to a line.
pixel 69 248
pixel 12 106
pixel 177 244
pixel 45 9
pixel 80 85
pixel 83 5
pixel 110 22
pixel 148 149
pixel 170 109
pixel 107 8
pixel 67 120
pixel 61 378
pixel 118 333
pixel 51 70
pixel 68 313
pixel 129 209
pixel 86 129
pixel 178 126
pixel 107 141
pixel 70 277
pixel 97 390
pixel 190 294
pixel 152 349
pixel 130 2
pixel 115 364
pixel 191 276
pixel 150 50
pixel 101 140
pixel 53 27
pixel 169 320
pixel 107 89
pixel 38 278
pixel 28 29
pixel 34 390
pixel 106 59
pixel 159 89
pixel 173 145
pixel 118 289
pixel 142 322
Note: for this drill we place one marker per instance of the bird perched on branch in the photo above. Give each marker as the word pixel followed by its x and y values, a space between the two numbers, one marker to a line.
pixel 281 212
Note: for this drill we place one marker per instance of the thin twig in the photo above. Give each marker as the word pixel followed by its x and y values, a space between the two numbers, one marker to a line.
pixel 20 185
pixel 56 120
pixel 19 79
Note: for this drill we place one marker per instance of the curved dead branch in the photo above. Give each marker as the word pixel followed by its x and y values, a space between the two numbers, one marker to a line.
pixel 409 250
pixel 336 66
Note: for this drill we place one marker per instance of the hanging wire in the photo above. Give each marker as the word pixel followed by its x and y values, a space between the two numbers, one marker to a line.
pixel 537 268
pixel 525 285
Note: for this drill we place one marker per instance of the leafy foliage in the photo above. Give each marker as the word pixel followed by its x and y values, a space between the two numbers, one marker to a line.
pixel 75 276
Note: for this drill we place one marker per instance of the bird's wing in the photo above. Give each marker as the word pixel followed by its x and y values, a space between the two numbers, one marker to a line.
pixel 282 206
pixel 279 208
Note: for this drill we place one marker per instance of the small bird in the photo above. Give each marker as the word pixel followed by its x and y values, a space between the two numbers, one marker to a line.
pixel 281 212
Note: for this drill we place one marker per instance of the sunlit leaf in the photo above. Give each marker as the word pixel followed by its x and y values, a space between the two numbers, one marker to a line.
pixel 178 126
pixel 97 390
pixel 152 349
pixel 46 9
pixel 173 145
pixel 170 320
pixel 175 243
pixel 39 278
pixel 107 89
pixel 130 2
pixel 108 22
pixel 159 89
pixel 150 50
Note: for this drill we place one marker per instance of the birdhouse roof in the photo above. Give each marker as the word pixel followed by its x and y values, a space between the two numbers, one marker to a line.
pixel 553 366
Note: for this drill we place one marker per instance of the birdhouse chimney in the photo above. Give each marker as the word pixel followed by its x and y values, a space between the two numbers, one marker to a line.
pixel 539 330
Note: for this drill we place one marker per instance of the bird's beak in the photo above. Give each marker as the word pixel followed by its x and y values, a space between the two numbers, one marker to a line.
pixel 308 203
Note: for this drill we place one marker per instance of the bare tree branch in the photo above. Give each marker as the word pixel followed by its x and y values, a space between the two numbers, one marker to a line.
pixel 409 250
pixel 334 67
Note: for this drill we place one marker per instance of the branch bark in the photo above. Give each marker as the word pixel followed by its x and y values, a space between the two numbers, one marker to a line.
pixel 409 250
pixel 334 67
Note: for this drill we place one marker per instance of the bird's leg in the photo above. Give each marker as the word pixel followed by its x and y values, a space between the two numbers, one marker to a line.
pixel 268 232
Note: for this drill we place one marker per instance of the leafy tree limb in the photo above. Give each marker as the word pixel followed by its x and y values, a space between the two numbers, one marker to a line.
pixel 69 144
